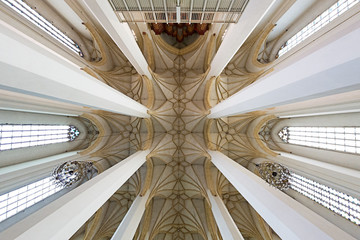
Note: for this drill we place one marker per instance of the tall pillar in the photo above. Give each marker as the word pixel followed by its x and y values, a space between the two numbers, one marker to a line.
pixel 29 68
pixel 14 101
pixel 63 217
pixel 237 34
pixel 120 33
pixel 127 228
pixel 288 218
pixel 225 223
pixel 327 67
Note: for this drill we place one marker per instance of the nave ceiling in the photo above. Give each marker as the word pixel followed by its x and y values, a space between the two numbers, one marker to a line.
pixel 178 171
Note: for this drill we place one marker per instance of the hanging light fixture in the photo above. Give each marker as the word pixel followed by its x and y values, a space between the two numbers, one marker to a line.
pixel 71 172
pixel 275 174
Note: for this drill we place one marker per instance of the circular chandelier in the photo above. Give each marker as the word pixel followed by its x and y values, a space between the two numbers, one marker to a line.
pixel 275 174
pixel 71 172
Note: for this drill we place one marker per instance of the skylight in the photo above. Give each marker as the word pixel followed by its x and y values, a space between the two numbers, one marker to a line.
pixel 26 135
pixel 31 15
pixel 330 14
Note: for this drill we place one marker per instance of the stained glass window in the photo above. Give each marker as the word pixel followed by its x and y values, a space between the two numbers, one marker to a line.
pixel 338 202
pixel 35 18
pixel 323 19
pixel 24 197
pixel 344 139
pixel 27 135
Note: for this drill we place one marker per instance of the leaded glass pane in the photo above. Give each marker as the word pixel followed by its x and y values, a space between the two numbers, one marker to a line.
pixel 345 139
pixel 338 202
pixel 35 18
pixel 24 197
pixel 27 135
pixel 323 19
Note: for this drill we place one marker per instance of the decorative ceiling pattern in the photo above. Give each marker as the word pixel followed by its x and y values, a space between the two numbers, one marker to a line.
pixel 178 194
pixel 249 64
pixel 178 170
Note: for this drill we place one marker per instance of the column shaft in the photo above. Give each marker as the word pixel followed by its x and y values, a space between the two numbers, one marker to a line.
pixel 328 66
pixel 237 34
pixel 288 218
pixel 128 225
pixel 14 101
pixel 31 69
pixel 120 33
pixel 225 223
pixel 63 217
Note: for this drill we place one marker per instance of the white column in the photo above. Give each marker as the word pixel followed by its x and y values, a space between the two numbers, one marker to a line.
pixel 288 218
pixel 14 101
pixel 127 228
pixel 120 33
pixel 328 66
pixel 237 33
pixel 29 68
pixel 225 223
pixel 63 217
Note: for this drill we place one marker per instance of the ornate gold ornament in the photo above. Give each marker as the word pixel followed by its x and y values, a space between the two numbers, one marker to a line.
pixel 275 174
pixel 69 173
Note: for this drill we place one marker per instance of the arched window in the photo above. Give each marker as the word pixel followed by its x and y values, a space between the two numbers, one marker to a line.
pixel 67 174
pixel 35 18
pixel 282 178
pixel 338 202
pixel 24 197
pixel 323 19
pixel 27 135
pixel 344 139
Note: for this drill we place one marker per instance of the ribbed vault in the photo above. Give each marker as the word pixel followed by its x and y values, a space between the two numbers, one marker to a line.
pixel 178 170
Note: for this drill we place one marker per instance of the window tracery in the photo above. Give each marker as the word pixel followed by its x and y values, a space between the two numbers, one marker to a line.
pixel 24 197
pixel 65 175
pixel 282 178
pixel 320 21
pixel 35 18
pixel 338 202
pixel 14 136
pixel 344 139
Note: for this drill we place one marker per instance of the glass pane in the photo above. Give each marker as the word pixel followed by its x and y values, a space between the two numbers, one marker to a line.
pixel 19 199
pixel 19 136
pixel 345 139
pixel 31 15
pixel 338 202
pixel 328 15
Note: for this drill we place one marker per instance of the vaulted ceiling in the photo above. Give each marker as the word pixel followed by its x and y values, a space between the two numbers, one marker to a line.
pixel 178 173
